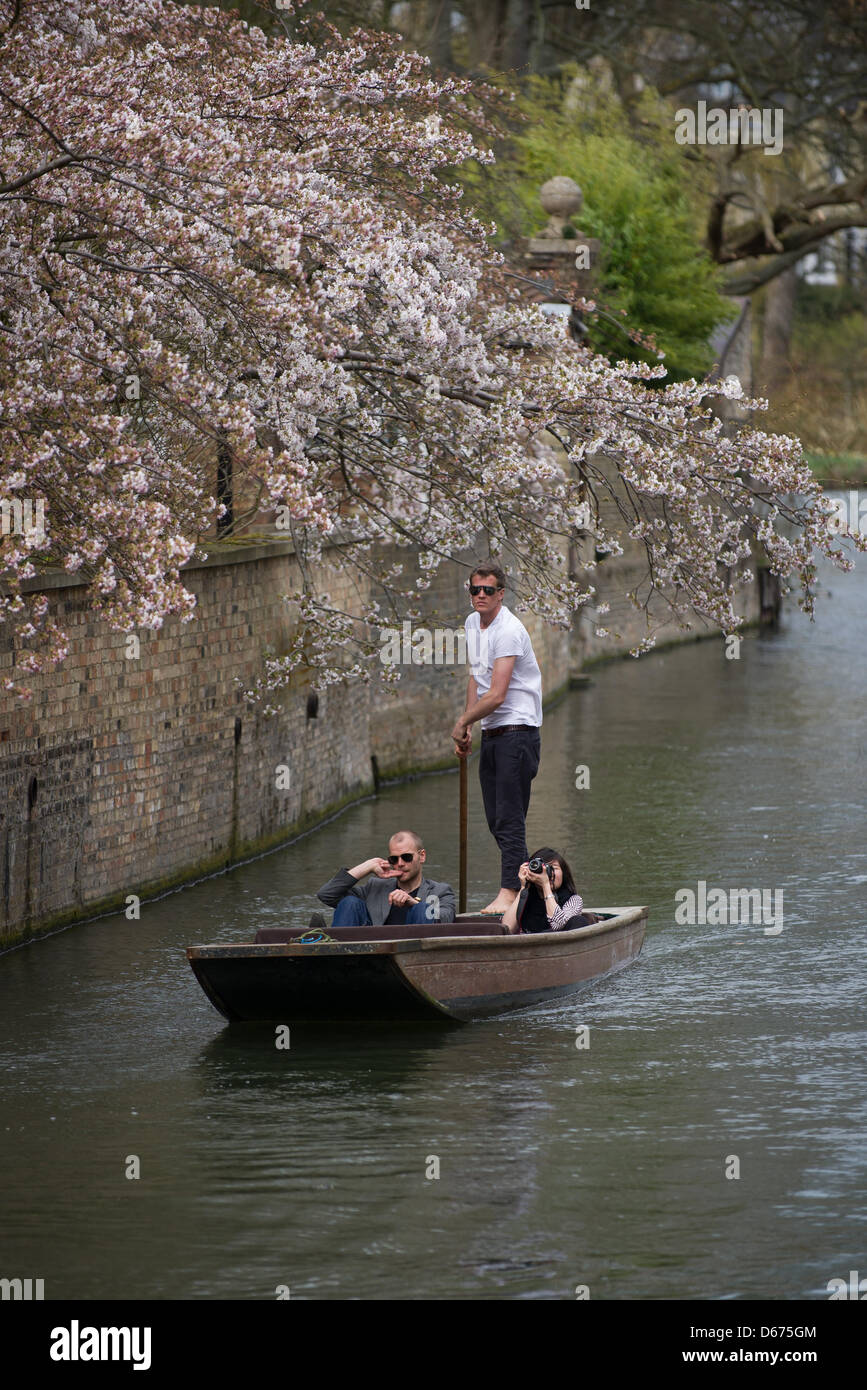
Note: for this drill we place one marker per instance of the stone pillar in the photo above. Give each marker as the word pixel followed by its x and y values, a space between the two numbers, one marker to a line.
pixel 561 252
pixel 562 261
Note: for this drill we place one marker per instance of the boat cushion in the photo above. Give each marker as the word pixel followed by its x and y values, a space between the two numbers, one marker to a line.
pixel 409 931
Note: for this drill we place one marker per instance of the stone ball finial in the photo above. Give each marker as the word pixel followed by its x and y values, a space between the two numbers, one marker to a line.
pixel 561 198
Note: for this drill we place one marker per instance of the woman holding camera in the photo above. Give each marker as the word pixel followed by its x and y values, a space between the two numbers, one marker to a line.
pixel 548 900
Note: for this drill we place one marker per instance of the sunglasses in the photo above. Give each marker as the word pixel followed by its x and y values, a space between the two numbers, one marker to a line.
pixel 404 858
pixel 489 589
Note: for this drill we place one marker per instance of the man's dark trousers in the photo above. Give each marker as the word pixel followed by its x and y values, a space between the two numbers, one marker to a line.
pixel 507 765
pixel 352 912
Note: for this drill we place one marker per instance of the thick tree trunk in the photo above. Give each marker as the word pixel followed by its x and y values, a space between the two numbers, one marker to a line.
pixel 520 20
pixel 487 27
pixel 438 35
pixel 777 332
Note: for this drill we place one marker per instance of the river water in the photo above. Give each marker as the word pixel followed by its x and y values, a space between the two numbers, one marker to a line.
pixel 724 1050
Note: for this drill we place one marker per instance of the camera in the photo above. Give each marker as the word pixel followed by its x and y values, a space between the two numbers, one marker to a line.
pixel 537 865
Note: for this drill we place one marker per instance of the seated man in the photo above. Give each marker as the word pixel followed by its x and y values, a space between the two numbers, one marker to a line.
pixel 376 903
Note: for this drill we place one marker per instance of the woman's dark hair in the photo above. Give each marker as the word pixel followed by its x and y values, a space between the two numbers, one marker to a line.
pixel 553 856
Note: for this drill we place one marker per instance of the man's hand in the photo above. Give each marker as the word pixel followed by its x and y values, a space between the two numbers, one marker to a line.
pixel 380 867
pixel 399 898
pixel 383 869
pixel 463 740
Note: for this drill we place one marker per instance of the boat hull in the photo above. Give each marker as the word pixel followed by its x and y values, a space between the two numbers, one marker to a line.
pixel 436 978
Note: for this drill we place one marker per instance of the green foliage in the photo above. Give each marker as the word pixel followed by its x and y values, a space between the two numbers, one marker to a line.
pixel 824 304
pixel 641 199
pixel 837 468
pixel 840 343
pixel 824 401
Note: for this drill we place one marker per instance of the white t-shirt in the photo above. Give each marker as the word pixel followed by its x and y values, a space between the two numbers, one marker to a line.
pixel 505 636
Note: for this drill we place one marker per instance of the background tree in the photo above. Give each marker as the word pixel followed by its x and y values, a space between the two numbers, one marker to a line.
pixel 809 59
pixel 214 239
pixel 761 215
pixel 654 276
pixel 824 394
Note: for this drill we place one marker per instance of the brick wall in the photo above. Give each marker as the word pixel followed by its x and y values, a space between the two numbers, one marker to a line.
pixel 123 776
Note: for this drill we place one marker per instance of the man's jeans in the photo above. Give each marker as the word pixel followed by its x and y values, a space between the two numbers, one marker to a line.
pixel 352 912
pixel 507 765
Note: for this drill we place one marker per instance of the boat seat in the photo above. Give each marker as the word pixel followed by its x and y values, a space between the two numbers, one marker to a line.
pixel 281 936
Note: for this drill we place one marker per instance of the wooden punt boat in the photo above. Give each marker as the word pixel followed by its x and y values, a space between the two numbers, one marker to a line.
pixel 471 968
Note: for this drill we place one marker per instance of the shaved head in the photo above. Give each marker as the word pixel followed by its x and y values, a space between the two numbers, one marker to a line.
pixel 407 835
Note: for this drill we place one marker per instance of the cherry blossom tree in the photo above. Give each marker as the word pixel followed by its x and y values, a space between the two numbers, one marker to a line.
pixel 217 240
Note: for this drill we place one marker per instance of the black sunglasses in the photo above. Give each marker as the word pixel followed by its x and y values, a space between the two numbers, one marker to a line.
pixel 404 858
pixel 489 589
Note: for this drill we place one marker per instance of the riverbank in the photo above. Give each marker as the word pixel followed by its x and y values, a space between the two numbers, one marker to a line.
pixel 838 470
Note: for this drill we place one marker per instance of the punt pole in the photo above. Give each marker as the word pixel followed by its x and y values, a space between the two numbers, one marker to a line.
pixel 462 871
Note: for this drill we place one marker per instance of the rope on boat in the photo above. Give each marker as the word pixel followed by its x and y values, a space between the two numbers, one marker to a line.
pixel 313 938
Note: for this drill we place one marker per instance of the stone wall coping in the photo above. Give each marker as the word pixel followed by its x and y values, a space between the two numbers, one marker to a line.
pixel 563 246
pixel 241 551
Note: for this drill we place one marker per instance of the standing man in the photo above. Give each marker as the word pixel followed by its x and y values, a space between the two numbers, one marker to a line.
pixel 504 691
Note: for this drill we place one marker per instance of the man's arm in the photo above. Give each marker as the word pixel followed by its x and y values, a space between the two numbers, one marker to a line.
pixel 462 737
pixel 501 674
pixel 472 693
pixel 380 867
pixel 346 881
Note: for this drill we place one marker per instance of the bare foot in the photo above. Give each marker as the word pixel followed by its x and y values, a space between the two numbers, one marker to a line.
pixel 504 899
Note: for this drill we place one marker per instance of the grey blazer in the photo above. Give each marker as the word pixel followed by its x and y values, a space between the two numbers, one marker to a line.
pixel 374 892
